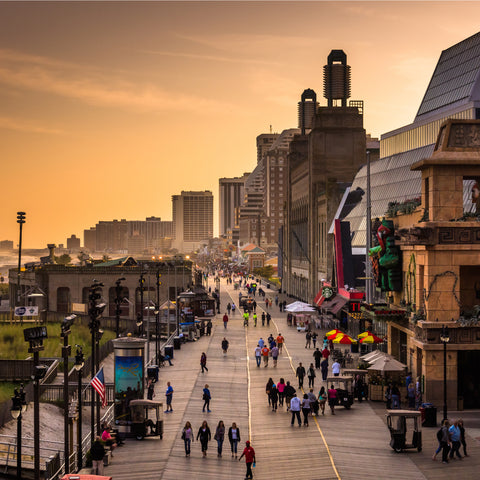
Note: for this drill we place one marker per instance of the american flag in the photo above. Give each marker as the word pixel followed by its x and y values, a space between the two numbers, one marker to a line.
pixel 98 383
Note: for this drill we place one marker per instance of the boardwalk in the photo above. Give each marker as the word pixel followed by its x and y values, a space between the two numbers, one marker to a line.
pixel 350 445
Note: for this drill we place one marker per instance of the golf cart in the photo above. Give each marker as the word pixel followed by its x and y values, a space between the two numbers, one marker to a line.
pixel 344 387
pixel 142 426
pixel 399 422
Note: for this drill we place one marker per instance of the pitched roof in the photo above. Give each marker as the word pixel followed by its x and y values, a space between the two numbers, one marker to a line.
pixel 456 79
pixel 124 261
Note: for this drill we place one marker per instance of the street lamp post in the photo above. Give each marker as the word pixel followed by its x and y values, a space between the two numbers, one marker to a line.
pixel 157 316
pixel 20 221
pixel 79 363
pixel 35 336
pixel 118 305
pixel 19 406
pixel 95 309
pixel 368 265
pixel 141 283
pixel 445 338
pixel 66 350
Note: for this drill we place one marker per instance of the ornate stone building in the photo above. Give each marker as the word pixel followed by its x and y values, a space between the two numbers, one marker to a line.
pixel 440 245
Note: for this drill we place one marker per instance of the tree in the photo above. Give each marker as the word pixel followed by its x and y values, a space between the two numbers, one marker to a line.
pixel 64 259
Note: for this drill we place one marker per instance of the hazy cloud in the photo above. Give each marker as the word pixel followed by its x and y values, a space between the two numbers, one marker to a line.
pixel 213 58
pixel 25 126
pixel 95 86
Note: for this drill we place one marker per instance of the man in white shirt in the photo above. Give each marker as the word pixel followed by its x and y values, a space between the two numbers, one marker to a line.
pixel 335 369
pixel 295 406
pixel 258 355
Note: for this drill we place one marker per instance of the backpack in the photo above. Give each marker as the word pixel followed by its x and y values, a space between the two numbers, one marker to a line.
pixel 440 434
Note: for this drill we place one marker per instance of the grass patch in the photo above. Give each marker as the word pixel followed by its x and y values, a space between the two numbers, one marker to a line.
pixel 6 390
pixel 13 345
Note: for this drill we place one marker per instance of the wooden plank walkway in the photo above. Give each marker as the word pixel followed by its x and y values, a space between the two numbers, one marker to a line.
pixel 352 444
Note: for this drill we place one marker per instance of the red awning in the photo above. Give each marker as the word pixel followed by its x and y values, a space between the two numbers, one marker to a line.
pixel 319 299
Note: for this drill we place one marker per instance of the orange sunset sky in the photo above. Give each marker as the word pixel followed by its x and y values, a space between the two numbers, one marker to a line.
pixel 108 109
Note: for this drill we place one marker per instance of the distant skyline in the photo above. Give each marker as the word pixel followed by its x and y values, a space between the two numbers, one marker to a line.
pixel 110 108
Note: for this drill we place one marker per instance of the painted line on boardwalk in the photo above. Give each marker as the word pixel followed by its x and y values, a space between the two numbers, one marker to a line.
pixel 315 418
pixel 248 376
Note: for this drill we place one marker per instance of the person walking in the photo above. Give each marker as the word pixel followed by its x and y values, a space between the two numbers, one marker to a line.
pixel 225 320
pixel 300 374
pixel 169 396
pixel 445 440
pixel 261 342
pixel 274 352
pixel 219 437
pixel 462 436
pixel 233 308
pixel 280 341
pixel 388 397
pixel 308 339
pixel 332 398
pixel 150 389
pixel 206 398
pixel 234 438
pixel 317 355
pixel 258 355
pixel 395 396
pixel 455 436
pixel 209 323
pixel 281 391
pixel 322 399
pixel 97 453
pixel 274 397
pixel 305 409
pixel 314 405
pixel 269 317
pixel 324 368
pixel 225 345
pixel 295 405
pixel 289 392
pixel 265 353
pixel 203 362
pixel 268 388
pixel 255 319
pixel 229 308
pixel 205 436
pixel 311 375
pixel 249 454
pixel 335 369
pixel 187 437
pixel 314 339
pixel 263 318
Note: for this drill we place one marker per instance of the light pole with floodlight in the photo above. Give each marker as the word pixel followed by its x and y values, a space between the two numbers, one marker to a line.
pixel 445 338
pixel 79 363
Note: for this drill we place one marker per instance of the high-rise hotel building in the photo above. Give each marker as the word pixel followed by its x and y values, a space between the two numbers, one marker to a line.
pixel 192 214
pixel 231 197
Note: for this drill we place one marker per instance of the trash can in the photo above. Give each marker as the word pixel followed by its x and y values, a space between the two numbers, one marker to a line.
pixel 176 343
pixel 152 372
pixel 430 416
pixel 169 351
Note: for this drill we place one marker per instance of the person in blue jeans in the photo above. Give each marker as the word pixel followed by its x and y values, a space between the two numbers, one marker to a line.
pixel 395 392
pixel 219 437
pixel 168 396
pixel 455 436
pixel 206 398
pixel 258 355
pixel 234 438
